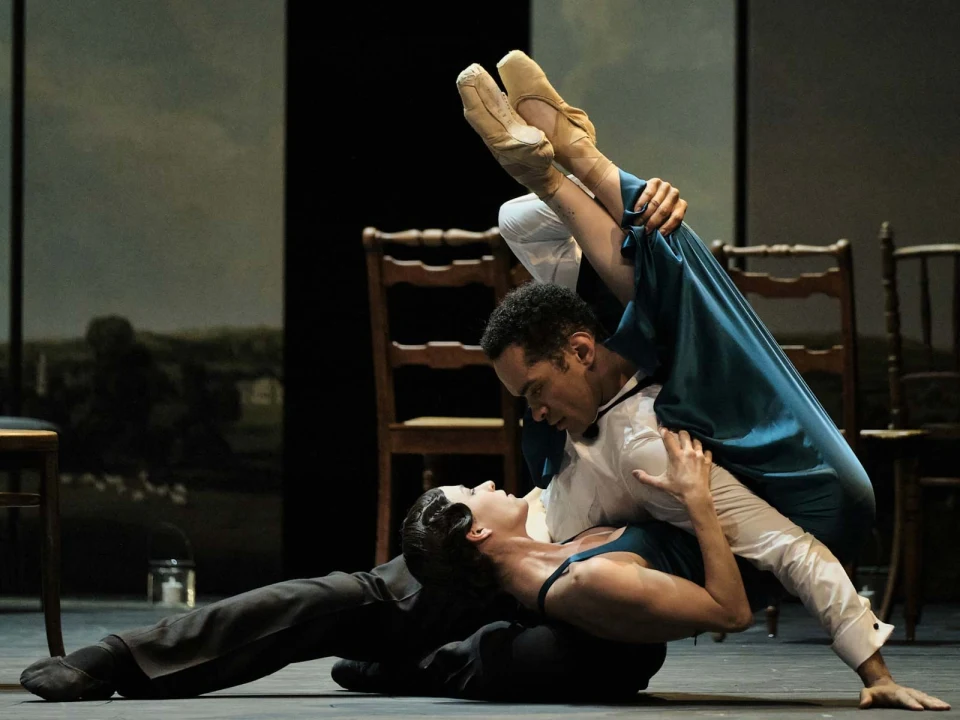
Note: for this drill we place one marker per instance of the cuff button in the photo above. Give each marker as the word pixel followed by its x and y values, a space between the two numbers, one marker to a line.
pixel 876 626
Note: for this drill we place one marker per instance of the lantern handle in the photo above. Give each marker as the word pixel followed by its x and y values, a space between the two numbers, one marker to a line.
pixel 169 525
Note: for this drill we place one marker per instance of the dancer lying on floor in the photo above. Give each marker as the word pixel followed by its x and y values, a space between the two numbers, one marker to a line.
pixel 723 378
pixel 616 583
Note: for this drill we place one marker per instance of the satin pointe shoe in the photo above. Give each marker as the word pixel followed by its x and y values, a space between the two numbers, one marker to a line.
pixel 522 150
pixel 573 136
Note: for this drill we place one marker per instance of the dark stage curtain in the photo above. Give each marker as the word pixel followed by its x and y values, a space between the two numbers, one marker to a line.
pixel 375 136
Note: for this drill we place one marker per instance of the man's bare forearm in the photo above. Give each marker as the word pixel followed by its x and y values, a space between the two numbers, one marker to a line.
pixel 874 671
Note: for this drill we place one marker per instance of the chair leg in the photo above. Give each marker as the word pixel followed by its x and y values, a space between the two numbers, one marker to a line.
pixel 429 479
pixel 912 552
pixel 17 574
pixel 50 553
pixel 511 481
pixel 384 505
pixel 920 525
pixel 773 618
pixel 432 472
pixel 893 574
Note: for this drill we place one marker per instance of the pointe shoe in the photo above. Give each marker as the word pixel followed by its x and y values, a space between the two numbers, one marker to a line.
pixel 573 136
pixel 522 150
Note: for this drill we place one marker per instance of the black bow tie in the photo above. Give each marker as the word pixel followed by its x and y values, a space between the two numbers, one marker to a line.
pixel 593 429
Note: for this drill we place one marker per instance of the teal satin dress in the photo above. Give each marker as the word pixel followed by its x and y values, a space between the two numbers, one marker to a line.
pixel 726 381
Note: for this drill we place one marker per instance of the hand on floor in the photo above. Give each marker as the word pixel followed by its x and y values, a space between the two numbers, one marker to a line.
pixel 891 695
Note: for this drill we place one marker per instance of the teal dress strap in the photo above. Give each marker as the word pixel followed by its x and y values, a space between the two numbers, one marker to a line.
pixel 621 544
pixel 671 550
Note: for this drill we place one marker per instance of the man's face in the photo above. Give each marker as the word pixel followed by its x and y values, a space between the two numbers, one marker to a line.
pixel 565 398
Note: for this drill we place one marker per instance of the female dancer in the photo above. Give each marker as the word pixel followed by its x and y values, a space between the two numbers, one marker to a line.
pixel 615 583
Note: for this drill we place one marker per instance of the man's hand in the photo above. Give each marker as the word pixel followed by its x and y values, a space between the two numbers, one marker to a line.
pixel 880 689
pixel 890 695
pixel 688 468
pixel 665 207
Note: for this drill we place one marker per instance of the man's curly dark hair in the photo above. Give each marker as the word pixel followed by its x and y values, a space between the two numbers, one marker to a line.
pixel 538 317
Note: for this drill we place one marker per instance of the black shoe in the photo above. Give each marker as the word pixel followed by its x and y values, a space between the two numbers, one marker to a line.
pixel 357 676
pixel 374 677
pixel 86 674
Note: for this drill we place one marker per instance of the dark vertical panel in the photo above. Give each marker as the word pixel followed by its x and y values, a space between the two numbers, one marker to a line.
pixel 375 136
pixel 15 341
pixel 741 123
pixel 16 209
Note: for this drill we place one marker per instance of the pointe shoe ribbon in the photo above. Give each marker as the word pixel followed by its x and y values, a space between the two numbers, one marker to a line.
pixel 522 150
pixel 573 136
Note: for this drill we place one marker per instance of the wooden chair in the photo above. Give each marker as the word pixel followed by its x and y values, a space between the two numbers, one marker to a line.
pixel 38 450
pixel 429 436
pixel 910 484
pixel 841 359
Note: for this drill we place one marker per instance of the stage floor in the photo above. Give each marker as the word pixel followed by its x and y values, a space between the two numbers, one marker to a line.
pixel 748 675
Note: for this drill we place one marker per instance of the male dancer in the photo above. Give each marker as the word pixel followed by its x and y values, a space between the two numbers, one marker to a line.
pixel 724 377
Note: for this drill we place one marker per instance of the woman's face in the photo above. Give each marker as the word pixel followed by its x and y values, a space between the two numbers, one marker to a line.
pixel 492 509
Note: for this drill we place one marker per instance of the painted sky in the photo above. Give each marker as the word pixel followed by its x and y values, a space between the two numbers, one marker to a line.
pixel 657 78
pixel 154 155
pixel 854 118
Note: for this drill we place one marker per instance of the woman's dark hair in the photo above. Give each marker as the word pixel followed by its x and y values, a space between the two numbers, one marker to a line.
pixel 539 318
pixel 438 554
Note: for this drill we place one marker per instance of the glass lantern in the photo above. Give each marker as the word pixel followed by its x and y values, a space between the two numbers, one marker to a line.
pixel 171 574
pixel 172 583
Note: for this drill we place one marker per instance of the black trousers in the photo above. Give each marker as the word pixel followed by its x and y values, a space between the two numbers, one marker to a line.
pixel 438 644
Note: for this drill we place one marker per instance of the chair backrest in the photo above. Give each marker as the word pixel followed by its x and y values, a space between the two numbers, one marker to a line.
pixel 835 282
pixel 892 257
pixel 492 269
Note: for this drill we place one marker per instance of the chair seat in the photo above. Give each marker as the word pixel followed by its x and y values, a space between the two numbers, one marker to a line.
pixel 939 482
pixel 11 499
pixel 942 431
pixel 27 440
pixel 450 422
pixel 891 434
pixel 8 422
pixel 448 436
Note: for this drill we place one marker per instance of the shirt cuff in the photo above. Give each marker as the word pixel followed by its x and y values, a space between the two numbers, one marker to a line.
pixel 862 637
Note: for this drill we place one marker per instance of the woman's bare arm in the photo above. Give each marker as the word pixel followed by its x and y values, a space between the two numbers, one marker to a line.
pixel 612 594
pixel 621 600
pixel 688 479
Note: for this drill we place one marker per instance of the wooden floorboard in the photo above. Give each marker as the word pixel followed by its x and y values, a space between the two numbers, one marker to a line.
pixel 748 675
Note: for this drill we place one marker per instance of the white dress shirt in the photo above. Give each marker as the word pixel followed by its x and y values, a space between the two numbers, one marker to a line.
pixel 595 485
